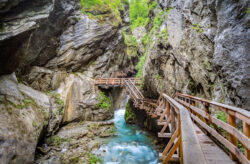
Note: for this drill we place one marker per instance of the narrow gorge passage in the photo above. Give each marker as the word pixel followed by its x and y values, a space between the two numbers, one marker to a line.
pixel 174 58
pixel 131 145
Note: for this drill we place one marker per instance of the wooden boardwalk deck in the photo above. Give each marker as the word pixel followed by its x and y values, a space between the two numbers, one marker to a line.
pixel 212 153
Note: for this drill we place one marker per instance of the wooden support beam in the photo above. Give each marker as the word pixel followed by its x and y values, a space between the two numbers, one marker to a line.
pixel 246 130
pixel 231 121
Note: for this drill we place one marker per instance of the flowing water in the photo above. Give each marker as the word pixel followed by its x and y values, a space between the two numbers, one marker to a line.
pixel 130 146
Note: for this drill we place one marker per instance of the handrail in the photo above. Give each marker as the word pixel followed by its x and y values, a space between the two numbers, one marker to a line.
pixel 183 134
pixel 205 118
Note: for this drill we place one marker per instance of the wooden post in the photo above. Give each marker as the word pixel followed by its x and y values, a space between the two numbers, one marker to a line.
pixel 168 108
pixel 173 123
pixel 246 130
pixel 206 109
pixel 231 138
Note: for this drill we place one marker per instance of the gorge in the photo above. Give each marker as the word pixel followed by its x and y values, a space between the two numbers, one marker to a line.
pixel 52 52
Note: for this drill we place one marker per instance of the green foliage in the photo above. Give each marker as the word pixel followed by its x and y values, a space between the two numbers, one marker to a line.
pixel 221 115
pixel 94 159
pixel 164 34
pixel 156 25
pixel 45 123
pixel 131 44
pixel 248 11
pixel 74 160
pixel 157 21
pixel 197 27
pixel 129 115
pixel 158 77
pixel 138 11
pixel 104 101
pixel 34 124
pixel 107 9
pixel 60 103
pixel 152 5
pixel 129 40
pixel 139 66
pixel 56 141
pixel 26 102
pixel 241 147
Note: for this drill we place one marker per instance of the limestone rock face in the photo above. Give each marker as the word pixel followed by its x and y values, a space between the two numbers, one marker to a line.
pixel 205 52
pixel 24 115
pixel 81 97
pixel 30 30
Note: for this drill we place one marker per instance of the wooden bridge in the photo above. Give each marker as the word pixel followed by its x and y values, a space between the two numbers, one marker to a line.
pixel 195 135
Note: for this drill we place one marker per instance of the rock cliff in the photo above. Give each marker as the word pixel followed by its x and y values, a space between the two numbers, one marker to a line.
pixel 200 48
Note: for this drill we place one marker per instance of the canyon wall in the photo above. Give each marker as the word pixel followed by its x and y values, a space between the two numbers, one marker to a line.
pixel 199 48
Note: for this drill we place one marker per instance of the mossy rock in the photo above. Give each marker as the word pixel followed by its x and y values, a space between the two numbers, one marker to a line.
pixel 129 115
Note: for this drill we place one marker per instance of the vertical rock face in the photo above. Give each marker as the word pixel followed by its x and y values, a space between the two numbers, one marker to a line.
pixel 205 52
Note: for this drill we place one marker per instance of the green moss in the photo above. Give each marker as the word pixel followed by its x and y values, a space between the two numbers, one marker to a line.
pixel 56 141
pixel 129 115
pixel 104 101
pixel 60 103
pixel 158 77
pixel 248 11
pixel 197 27
pixel 107 9
pixel 25 103
pixel 129 40
pixel 34 124
pixel 94 159
pixel 45 123
pixel 221 115
pixel 164 34
pixel 74 160
pixel 131 43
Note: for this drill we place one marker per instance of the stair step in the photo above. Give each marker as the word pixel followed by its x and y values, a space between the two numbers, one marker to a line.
pixel 161 123
pixel 174 158
pixel 164 135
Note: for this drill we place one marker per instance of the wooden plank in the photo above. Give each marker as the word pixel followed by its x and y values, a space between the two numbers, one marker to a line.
pixel 231 121
pixel 246 130
pixel 172 150
pixel 232 148
pixel 213 154
pixel 174 158
pixel 164 135
pixel 173 123
pixel 166 125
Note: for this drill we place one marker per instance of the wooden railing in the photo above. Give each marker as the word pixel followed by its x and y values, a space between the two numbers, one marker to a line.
pixel 227 133
pixel 116 81
pixel 183 139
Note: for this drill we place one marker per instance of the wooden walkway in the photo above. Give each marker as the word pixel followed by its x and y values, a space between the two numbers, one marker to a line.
pixel 213 154
pixel 187 142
